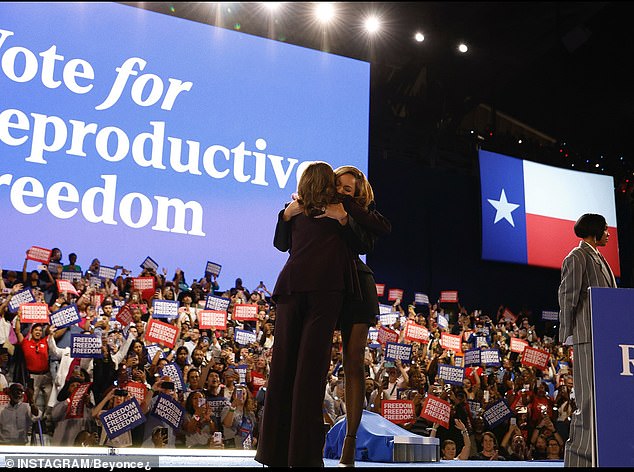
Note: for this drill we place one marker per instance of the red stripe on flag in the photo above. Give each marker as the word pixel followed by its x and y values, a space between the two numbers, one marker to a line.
pixel 549 240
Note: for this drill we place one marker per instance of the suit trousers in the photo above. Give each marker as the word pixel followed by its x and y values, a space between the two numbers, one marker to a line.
pixel 579 447
pixel 292 429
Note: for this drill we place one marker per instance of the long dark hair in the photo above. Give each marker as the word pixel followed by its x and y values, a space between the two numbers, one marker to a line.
pixel 316 188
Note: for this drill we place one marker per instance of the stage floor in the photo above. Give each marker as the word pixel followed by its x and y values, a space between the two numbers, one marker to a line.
pixel 17 456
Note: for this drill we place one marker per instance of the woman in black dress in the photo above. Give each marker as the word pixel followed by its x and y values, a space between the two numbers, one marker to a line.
pixel 358 315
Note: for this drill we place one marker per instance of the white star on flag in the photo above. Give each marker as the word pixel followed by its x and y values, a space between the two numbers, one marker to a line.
pixel 503 209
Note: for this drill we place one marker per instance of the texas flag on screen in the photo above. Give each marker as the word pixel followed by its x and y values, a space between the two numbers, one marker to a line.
pixel 529 210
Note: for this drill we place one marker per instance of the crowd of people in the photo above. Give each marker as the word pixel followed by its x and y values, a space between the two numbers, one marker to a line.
pixel 225 383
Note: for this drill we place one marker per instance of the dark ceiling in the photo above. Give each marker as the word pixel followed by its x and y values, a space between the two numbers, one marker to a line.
pixel 561 68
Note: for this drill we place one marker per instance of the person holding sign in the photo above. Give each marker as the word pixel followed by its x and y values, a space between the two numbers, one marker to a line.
pixel 309 294
pixel 67 427
pixel 583 268
pixel 113 398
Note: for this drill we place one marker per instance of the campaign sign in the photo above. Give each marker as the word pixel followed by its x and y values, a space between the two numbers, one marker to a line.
pixel 34 313
pixel 85 345
pixel 95 281
pixel 536 358
pixel 490 357
pixel 212 268
pixel 436 410
pixel 149 263
pixel 394 294
pixel 4 399
pixel 481 341
pixel 167 309
pixel 509 315
pixel 152 349
pixel 55 268
pixel 496 413
pixel 168 410
pixel 241 370
pixel 71 275
pixel 19 298
pixel 474 407
pixel 373 334
pixel 107 273
pixel 66 316
pixel 451 374
pixel 387 319
pixel 212 319
pixel 245 312
pixel 458 361
pixel 415 332
pixel 145 285
pixel 124 315
pixel 550 315
pixel 96 299
pixel 173 372
pixel 518 345
pixel 244 337
pixel 394 351
pixel 472 357
pixel 449 296
pixel 451 341
pixel 213 302
pixel 398 411
pixel 443 322
pixel 421 299
pixel 66 286
pixel 383 308
pixel 75 408
pixel 386 335
pixel 380 289
pixel 613 353
pixel 137 390
pixel 39 254
pixel 162 333
pixel 122 418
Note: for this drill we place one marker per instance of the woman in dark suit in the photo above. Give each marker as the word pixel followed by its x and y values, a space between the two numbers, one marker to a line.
pixel 358 315
pixel 309 295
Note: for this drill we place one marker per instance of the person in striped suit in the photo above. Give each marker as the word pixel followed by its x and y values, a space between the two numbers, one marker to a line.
pixel 583 268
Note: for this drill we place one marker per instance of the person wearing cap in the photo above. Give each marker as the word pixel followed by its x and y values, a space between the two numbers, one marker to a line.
pixel 17 417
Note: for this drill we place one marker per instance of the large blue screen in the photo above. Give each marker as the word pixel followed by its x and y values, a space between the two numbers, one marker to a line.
pixel 126 133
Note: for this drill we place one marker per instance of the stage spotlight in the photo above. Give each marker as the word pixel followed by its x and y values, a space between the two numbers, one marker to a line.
pixel 372 24
pixel 419 37
pixel 324 12
pixel 462 47
pixel 272 6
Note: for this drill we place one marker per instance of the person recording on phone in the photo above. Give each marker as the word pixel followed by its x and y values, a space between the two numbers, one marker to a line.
pixel 114 397
pixel 238 419
pixel 583 267
pixel 153 435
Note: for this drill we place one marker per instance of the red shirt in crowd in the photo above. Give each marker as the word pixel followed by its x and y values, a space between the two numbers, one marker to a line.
pixel 35 354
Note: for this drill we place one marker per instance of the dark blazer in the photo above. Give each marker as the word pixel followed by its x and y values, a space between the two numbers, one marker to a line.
pixel 318 244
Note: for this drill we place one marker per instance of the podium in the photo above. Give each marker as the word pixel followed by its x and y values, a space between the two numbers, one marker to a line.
pixel 612 311
pixel 380 440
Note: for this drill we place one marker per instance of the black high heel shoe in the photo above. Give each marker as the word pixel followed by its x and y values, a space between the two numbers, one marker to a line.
pixel 346 440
